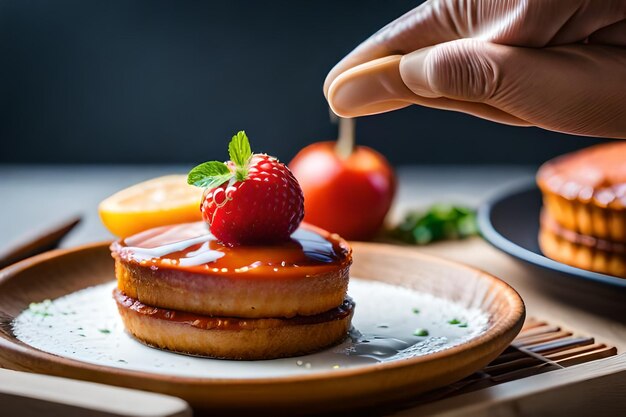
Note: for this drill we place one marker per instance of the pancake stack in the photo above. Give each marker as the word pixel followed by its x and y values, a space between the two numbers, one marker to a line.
pixel 583 221
pixel 179 289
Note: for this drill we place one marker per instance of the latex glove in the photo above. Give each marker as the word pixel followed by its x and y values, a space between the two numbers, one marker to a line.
pixel 556 64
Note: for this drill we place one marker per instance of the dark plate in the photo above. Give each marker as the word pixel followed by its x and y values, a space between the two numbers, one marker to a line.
pixel 510 222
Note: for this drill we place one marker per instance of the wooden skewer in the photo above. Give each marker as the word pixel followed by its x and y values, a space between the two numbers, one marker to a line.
pixel 588 356
pixel 560 344
pixel 345 141
pixel 535 331
pixel 512 365
pixel 541 338
pixel 564 354
pixel 38 242
pixel 508 357
pixel 531 323
pixel 524 372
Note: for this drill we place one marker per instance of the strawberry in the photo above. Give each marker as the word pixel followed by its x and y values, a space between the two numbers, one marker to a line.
pixel 251 199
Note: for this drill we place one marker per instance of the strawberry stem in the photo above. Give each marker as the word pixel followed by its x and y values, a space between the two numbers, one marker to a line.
pixel 241 173
pixel 345 142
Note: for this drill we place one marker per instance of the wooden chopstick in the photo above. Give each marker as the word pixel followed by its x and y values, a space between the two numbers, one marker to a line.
pixel 37 242
pixel 540 338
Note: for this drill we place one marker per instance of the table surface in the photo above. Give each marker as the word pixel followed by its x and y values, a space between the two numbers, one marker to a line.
pixel 36 196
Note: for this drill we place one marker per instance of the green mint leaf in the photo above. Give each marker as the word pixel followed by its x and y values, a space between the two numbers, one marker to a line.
pixel 209 175
pixel 240 153
pixel 239 149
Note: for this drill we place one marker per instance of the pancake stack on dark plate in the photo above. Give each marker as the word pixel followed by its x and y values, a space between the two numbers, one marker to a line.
pixel 583 220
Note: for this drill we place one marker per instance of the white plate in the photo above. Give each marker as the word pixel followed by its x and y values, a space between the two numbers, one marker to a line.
pixel 85 326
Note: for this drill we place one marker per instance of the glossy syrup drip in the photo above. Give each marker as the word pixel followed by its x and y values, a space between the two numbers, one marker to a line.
pixel 191 246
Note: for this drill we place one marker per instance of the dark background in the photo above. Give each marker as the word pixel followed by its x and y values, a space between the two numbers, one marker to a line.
pixel 171 81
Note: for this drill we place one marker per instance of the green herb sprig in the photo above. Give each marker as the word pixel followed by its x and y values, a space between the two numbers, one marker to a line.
pixel 439 222
pixel 215 173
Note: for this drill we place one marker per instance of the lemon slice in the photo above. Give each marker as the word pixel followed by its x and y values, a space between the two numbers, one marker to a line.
pixel 157 202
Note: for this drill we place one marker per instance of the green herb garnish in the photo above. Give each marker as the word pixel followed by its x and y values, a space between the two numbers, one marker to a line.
pixel 420 332
pixel 463 324
pixel 454 321
pixel 240 153
pixel 104 331
pixel 215 173
pixel 416 311
pixel 209 174
pixel 439 222
pixel 40 309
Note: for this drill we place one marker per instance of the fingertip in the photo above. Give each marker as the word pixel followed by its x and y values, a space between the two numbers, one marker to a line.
pixel 330 77
pixel 365 52
pixel 370 88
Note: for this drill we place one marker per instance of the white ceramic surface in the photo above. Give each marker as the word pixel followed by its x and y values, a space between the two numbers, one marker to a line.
pixel 85 326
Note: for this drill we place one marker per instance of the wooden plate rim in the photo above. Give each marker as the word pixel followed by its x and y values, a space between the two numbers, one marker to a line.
pixel 514 319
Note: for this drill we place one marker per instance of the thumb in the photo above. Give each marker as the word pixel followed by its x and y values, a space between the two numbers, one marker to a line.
pixel 575 89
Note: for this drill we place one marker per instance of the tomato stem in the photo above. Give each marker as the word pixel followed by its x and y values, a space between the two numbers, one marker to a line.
pixel 345 142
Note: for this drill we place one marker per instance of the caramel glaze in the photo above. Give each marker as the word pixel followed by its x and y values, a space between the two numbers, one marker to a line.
pixel 190 247
pixel 594 175
pixel 230 323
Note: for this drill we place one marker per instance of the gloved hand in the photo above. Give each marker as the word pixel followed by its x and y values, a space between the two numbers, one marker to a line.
pixel 556 64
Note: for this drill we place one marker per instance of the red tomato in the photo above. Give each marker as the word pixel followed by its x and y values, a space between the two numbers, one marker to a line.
pixel 348 196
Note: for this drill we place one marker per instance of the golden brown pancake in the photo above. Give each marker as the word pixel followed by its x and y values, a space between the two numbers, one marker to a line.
pixel 268 301
pixel 585 191
pixel 234 338
pixel 581 251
